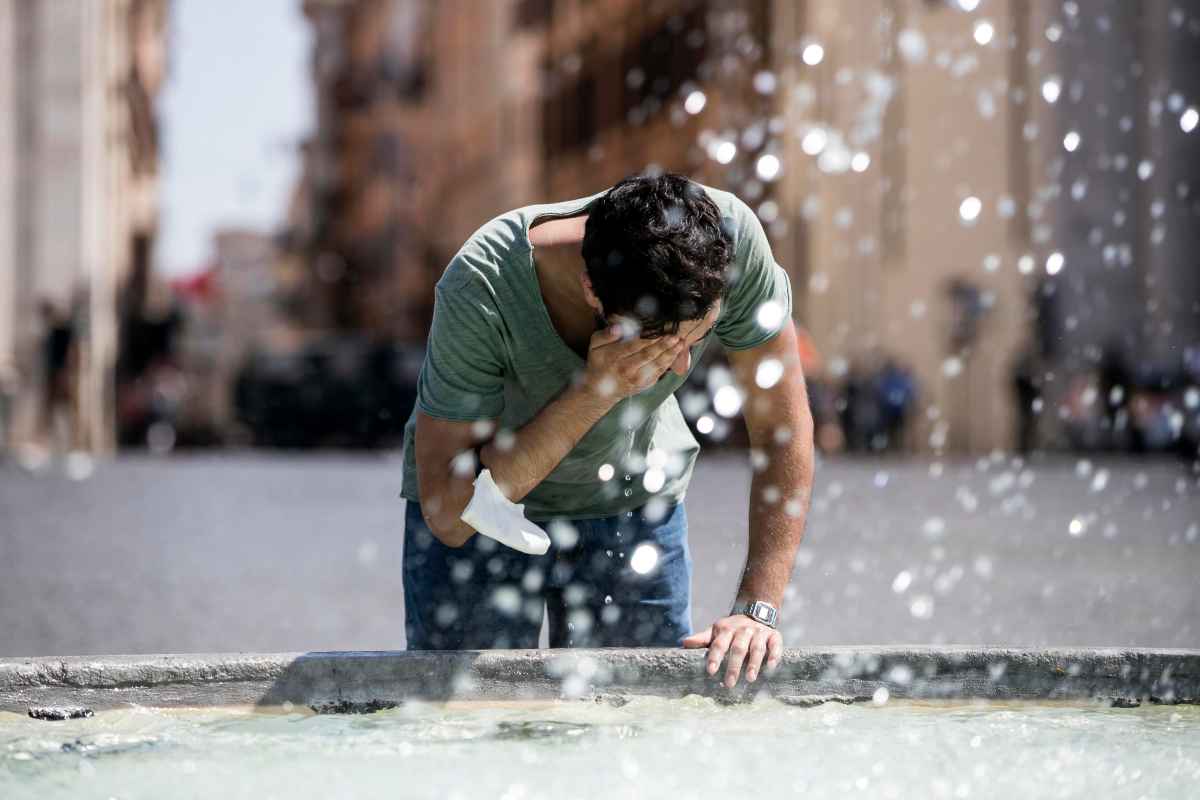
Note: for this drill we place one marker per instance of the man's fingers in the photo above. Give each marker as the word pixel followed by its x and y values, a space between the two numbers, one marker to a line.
pixel 654 360
pixel 716 650
pixel 641 350
pixel 698 639
pixel 667 357
pixel 774 651
pixel 758 649
pixel 737 654
pixel 605 336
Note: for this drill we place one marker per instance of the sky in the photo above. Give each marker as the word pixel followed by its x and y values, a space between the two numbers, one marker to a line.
pixel 235 107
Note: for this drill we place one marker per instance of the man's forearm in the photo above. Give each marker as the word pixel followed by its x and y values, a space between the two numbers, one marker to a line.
pixel 779 502
pixel 535 450
pixel 542 442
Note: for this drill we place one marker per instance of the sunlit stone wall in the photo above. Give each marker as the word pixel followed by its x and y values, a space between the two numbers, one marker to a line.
pixel 925 169
pixel 8 266
pixel 910 181
pixel 77 180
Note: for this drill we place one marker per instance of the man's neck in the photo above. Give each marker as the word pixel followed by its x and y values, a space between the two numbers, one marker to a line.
pixel 557 245
pixel 556 232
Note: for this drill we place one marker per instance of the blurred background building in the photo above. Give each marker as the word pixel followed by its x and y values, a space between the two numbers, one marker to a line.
pixel 987 207
pixel 78 188
pixel 910 161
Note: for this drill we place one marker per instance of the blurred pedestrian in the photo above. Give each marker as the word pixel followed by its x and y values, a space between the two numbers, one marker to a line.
pixel 1117 388
pixel 59 367
pixel 8 400
pixel 896 392
pixel 861 414
pixel 1027 391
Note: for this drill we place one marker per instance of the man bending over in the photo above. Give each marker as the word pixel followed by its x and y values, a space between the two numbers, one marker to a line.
pixel 560 332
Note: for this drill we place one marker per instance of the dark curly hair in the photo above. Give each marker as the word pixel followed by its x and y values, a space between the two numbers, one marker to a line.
pixel 656 250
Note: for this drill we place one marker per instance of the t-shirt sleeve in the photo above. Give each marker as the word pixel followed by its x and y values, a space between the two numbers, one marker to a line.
pixel 755 279
pixel 462 377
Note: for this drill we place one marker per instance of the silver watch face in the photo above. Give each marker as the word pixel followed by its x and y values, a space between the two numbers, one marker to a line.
pixel 762 612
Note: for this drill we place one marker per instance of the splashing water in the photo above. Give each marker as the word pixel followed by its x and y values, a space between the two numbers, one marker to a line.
pixel 647 746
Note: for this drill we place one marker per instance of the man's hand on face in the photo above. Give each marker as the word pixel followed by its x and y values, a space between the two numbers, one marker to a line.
pixel 745 640
pixel 618 367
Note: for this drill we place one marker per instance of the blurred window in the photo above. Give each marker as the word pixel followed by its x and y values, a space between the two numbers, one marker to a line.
pixel 533 13
pixel 664 58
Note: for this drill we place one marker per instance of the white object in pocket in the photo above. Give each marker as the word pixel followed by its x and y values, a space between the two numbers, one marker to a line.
pixel 494 515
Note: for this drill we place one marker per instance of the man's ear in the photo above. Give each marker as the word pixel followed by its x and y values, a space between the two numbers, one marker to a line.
pixel 590 295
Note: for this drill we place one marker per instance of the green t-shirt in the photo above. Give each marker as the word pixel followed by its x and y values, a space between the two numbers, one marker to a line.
pixel 493 354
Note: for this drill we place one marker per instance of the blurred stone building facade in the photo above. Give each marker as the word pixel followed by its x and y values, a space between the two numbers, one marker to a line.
pixel 358 216
pixel 78 185
pixel 1123 177
pixel 238 303
pixel 904 156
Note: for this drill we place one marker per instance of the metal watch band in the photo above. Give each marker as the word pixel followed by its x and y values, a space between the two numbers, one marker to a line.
pixel 765 613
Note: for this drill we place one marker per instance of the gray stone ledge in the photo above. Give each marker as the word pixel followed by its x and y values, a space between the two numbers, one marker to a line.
pixel 807 676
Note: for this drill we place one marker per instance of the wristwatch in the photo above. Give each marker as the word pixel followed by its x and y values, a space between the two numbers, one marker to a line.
pixel 762 611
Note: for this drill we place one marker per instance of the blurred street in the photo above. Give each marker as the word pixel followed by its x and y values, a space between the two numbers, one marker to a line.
pixel 258 552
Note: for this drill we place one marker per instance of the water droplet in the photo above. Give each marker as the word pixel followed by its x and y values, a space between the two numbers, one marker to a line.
pixel 983 567
pixel 969 209
pixel 767 167
pixel 769 316
pixel 727 401
pixel 1051 89
pixel 1054 263
pixel 645 557
pixel 912 45
pixel 984 31
pixel 934 528
pixel 921 606
pixel 1188 120
pixel 507 599
pixel 768 373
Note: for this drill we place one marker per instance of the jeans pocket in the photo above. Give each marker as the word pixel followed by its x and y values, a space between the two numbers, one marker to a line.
pixel 669 533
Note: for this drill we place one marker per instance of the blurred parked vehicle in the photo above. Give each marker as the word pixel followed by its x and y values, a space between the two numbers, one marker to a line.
pixel 148 407
pixel 342 391
pixel 1151 409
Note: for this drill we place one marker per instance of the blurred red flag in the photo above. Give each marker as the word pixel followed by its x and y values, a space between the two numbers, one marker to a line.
pixel 199 286
pixel 810 357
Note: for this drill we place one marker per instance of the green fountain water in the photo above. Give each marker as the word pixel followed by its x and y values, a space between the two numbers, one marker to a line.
pixel 648 747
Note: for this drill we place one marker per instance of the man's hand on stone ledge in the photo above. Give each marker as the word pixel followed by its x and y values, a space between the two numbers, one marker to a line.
pixel 745 640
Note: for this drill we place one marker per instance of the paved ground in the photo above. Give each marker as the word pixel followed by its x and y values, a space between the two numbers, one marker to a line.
pixel 251 552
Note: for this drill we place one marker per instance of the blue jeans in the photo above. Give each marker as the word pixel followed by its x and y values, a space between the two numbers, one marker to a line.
pixel 485 595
